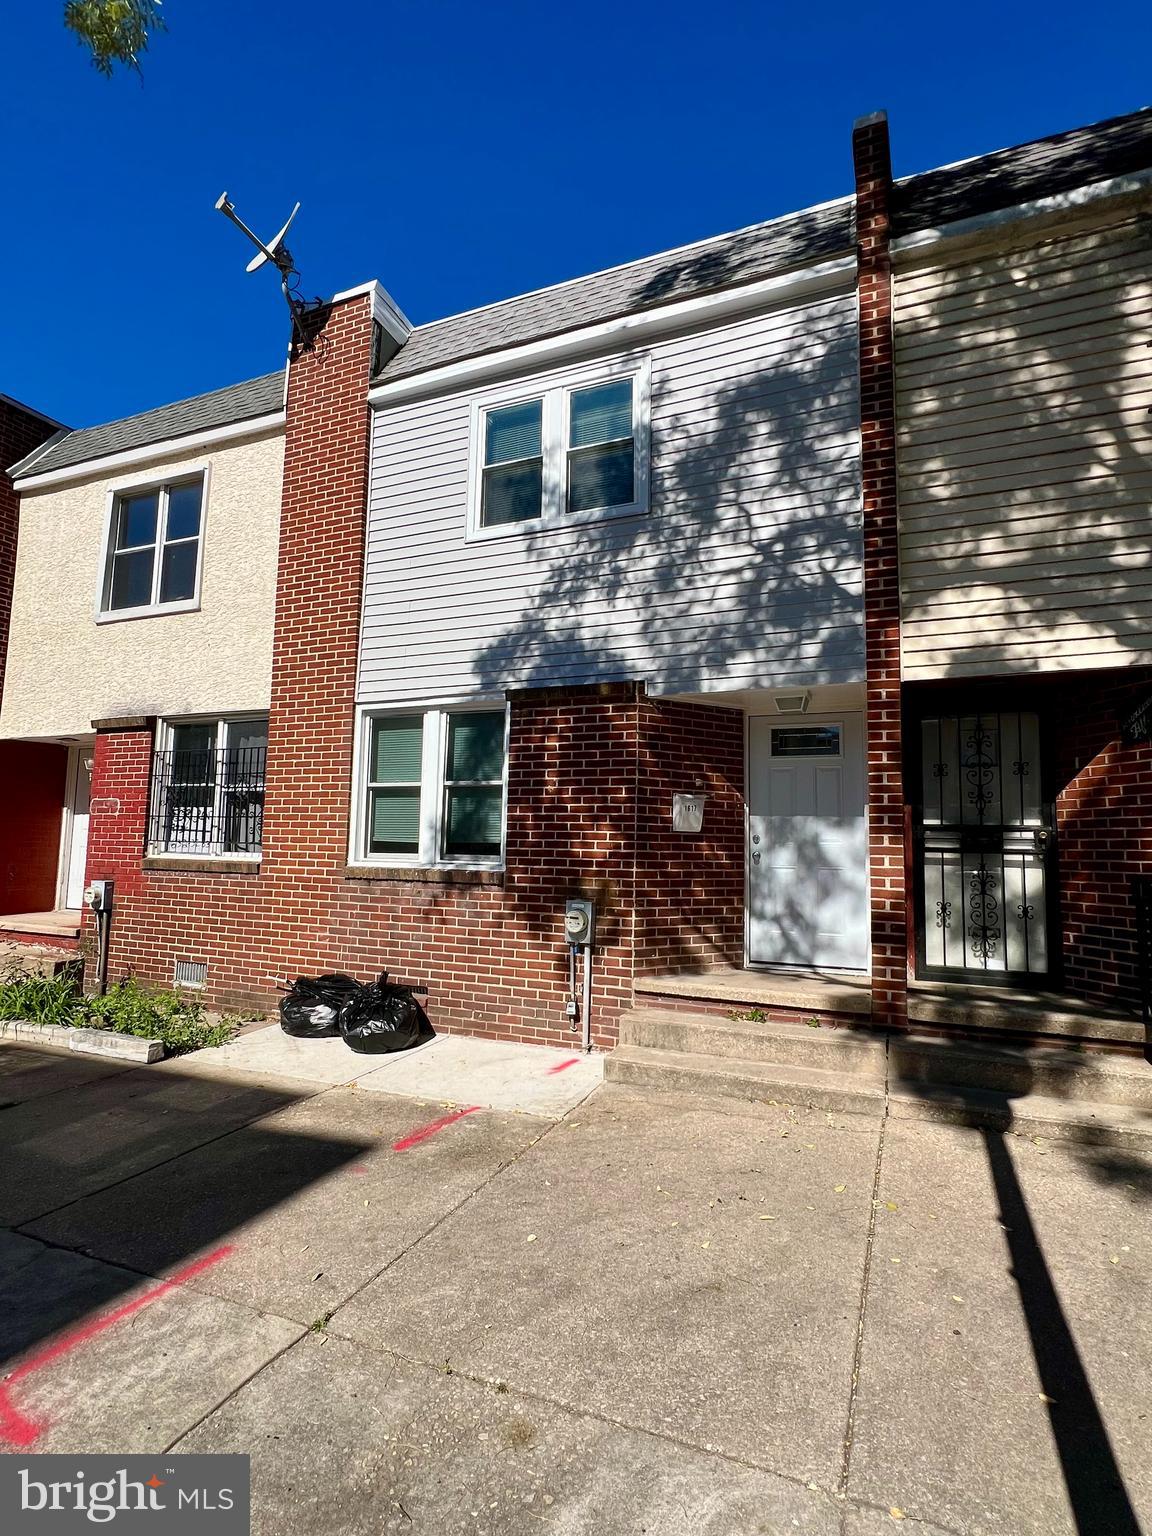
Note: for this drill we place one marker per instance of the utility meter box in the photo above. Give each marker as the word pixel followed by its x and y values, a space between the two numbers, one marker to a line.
pixel 688 813
pixel 98 896
pixel 580 922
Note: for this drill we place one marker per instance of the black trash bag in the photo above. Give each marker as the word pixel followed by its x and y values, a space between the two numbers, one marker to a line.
pixel 384 1017
pixel 311 1011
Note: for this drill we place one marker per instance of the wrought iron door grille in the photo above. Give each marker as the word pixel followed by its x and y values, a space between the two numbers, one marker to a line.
pixel 984 838
pixel 208 802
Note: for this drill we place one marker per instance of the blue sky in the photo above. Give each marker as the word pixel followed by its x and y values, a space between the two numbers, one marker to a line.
pixel 464 152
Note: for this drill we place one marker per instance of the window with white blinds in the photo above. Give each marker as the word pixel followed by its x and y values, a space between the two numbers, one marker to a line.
pixel 433 787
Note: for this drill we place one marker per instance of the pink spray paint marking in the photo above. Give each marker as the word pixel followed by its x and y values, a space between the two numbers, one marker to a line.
pixel 15 1427
pixel 425 1131
pixel 562 1066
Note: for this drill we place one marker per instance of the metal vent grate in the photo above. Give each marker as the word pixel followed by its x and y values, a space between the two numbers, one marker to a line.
pixel 190 973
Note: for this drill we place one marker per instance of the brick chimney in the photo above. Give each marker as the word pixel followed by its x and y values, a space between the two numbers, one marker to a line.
pixel 887 841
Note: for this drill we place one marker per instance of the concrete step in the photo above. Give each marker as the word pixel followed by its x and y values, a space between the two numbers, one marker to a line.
pixel 1078 1120
pixel 834 992
pixel 708 1034
pixel 1047 1071
pixel 991 1009
pixel 815 1087
pixel 36 959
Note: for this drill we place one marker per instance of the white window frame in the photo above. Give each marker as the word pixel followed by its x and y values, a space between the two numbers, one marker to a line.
pixel 163 743
pixel 433 787
pixel 133 487
pixel 554 396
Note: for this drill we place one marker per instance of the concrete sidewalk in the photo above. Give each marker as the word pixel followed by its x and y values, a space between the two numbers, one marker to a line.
pixel 654 1314
pixel 533 1079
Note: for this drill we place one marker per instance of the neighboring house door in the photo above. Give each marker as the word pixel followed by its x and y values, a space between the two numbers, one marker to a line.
pixel 984 848
pixel 807 855
pixel 76 832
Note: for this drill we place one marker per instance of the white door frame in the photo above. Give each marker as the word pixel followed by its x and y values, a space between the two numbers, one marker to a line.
pixel 749 715
pixel 67 816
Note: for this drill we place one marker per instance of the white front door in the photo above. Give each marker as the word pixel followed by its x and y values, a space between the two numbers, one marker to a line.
pixel 807 849
pixel 76 831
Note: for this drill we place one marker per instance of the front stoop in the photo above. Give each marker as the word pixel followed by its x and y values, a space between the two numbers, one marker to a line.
pixel 1095 1097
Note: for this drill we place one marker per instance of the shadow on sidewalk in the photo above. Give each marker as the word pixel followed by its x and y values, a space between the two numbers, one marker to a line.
pixel 1097 1494
pixel 58 1148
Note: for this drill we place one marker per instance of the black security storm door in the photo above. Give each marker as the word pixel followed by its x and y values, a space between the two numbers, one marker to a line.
pixel 984 846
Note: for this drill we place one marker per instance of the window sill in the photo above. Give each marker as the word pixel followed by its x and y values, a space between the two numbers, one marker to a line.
pixel 153 611
pixel 553 523
pixel 425 874
pixel 207 864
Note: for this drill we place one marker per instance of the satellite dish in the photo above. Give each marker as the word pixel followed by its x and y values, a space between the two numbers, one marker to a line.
pixel 278 254
pixel 268 252
pixel 275 251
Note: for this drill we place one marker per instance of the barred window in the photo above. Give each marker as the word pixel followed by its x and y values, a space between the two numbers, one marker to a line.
pixel 208 787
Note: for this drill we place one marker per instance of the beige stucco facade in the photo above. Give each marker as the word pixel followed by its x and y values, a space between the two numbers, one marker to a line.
pixel 65 669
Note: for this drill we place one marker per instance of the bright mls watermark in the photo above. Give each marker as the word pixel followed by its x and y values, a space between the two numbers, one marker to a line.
pixel 185 1495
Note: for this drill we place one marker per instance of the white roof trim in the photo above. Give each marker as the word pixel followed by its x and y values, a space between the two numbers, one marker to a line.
pixel 1041 207
pixel 166 448
pixel 384 308
pixel 708 309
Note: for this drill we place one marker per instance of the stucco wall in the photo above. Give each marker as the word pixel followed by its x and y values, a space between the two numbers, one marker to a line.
pixel 66 670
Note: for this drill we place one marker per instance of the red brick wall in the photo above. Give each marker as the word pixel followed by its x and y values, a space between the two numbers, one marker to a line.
pixel 690 896
pixel 1102 790
pixel 886 817
pixel 20 432
pixel 1104 833
pixel 32 784
pixel 490 947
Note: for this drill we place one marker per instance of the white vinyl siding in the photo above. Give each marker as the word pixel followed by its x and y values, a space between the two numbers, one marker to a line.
pixel 744 571
pixel 1024 381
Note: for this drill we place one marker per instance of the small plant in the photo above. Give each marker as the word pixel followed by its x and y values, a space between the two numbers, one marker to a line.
pixel 130 1009
pixel 748 1015
pixel 127 1008
pixel 39 999
pixel 321 1323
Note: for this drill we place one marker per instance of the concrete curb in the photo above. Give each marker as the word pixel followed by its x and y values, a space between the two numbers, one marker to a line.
pixel 88 1042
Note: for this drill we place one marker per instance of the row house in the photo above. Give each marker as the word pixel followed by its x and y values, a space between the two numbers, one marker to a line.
pixel 780 596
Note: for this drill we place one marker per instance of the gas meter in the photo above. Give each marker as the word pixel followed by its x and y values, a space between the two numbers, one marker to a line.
pixel 579 921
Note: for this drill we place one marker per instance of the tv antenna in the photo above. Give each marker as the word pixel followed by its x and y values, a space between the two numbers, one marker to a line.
pixel 278 254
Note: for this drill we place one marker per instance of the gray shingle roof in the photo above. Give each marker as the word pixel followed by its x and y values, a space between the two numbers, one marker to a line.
pixel 797 240
pixel 222 407
pixel 1042 168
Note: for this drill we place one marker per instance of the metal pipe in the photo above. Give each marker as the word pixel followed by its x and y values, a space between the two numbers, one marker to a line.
pixel 572 984
pixel 586 1009
pixel 103 925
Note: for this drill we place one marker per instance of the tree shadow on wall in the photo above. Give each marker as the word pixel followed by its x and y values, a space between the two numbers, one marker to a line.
pixel 746 569
pixel 1026 465
pixel 745 572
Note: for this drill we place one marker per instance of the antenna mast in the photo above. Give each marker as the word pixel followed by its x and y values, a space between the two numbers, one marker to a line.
pixel 278 254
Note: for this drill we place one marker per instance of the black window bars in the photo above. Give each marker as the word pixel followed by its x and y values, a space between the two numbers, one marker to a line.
pixel 208 802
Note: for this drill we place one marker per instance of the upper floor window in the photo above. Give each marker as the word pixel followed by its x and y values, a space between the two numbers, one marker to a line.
pixel 208 787
pixel 432 787
pixel 571 453
pixel 153 556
